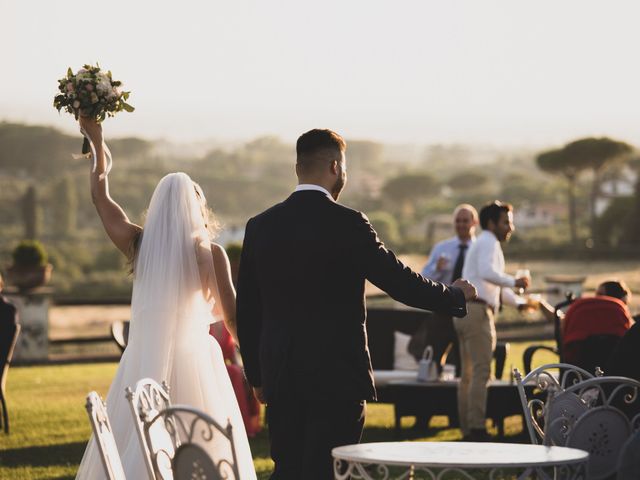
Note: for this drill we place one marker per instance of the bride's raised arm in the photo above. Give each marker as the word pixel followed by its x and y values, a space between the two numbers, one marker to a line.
pixel 120 229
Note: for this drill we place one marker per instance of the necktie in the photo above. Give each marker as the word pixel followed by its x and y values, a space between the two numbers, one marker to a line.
pixel 457 268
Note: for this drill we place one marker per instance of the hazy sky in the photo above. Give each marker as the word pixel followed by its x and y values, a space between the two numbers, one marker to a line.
pixel 502 72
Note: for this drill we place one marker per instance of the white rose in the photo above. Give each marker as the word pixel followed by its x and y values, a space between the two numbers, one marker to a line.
pixel 103 86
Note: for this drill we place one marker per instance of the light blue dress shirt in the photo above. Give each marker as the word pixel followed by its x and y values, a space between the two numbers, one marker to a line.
pixel 450 249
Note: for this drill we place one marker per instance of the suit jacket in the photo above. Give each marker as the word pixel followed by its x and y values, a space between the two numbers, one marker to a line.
pixel 301 304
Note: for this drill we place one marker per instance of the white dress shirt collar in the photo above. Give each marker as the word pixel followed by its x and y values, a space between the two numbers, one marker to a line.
pixel 311 186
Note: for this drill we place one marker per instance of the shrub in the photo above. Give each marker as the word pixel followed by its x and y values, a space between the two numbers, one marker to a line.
pixel 30 253
pixel 234 249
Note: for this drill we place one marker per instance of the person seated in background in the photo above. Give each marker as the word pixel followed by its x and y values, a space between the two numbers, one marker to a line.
pixel 593 326
pixel 616 289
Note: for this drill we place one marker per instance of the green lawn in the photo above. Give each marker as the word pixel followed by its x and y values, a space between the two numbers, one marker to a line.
pixel 49 426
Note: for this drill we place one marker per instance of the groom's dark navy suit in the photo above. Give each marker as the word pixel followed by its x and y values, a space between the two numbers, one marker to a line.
pixel 301 323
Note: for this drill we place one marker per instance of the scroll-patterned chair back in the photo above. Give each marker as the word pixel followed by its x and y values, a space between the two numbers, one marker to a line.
pixel 103 436
pixel 148 398
pixel 605 427
pixel 549 384
pixel 185 443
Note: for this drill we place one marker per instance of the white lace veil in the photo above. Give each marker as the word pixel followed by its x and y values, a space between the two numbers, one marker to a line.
pixel 168 304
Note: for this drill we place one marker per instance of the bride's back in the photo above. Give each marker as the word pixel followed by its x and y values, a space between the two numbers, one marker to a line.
pixel 168 304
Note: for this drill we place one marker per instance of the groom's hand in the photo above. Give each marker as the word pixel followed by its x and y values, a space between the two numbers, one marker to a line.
pixel 469 291
pixel 257 391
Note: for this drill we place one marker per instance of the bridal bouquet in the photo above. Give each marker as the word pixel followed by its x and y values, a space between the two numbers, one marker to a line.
pixel 91 92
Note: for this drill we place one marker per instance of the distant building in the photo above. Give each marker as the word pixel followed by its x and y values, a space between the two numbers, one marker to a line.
pixel 538 215
pixel 620 183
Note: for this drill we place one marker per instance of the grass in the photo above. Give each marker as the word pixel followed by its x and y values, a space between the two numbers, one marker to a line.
pixel 49 426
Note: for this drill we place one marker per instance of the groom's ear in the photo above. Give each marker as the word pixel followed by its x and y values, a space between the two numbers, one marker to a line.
pixel 334 167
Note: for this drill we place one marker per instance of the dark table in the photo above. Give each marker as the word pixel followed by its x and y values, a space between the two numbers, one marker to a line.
pixel 426 399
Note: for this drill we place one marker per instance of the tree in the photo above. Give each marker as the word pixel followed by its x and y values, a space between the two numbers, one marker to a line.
pixel 468 180
pixel 557 162
pixel 632 231
pixel 407 189
pixel 65 207
pixel 129 148
pixel 386 226
pixel 31 214
pixel 597 154
pixel 611 226
pixel 37 151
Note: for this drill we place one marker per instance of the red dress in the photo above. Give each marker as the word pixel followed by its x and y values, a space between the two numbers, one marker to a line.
pixel 249 405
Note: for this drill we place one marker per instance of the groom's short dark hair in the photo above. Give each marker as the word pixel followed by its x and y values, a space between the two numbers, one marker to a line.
pixel 492 212
pixel 315 146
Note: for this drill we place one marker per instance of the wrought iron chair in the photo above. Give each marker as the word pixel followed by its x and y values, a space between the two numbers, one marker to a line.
pixel 558 313
pixel 629 467
pixel 103 436
pixel 180 440
pixel 148 398
pixel 120 333
pixel 605 428
pixel 549 385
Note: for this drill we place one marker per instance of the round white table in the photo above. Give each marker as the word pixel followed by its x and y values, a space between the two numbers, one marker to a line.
pixel 437 460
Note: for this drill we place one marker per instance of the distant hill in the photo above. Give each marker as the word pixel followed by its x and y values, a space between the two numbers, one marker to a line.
pixel 40 152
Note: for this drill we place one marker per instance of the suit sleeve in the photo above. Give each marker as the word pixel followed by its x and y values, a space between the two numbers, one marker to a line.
pixel 249 311
pixel 385 271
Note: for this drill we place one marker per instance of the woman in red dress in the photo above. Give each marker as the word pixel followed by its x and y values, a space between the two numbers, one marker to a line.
pixel 249 406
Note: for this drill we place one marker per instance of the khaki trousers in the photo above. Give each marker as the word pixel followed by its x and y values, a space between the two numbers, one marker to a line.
pixel 477 339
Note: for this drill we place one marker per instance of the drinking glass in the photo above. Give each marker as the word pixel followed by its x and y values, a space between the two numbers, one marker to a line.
pixel 523 273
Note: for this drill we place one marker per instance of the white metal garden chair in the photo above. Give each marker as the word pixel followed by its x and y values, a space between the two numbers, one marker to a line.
pixel 605 428
pixel 147 398
pixel 551 380
pixel 103 436
pixel 185 443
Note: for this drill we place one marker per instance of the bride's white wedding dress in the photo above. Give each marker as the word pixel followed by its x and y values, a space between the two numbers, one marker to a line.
pixel 168 336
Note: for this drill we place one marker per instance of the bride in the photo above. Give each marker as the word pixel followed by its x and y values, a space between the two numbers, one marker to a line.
pixel 179 277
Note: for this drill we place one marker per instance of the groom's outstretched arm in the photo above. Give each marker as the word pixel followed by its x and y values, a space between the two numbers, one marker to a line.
pixel 249 311
pixel 385 271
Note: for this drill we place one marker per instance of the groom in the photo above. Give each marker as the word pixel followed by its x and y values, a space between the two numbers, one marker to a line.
pixel 301 311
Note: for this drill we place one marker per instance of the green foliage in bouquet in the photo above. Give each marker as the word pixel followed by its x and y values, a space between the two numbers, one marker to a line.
pixel 30 253
pixel 91 92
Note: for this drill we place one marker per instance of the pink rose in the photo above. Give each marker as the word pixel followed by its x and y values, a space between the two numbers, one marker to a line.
pixel 76 104
pixel 89 87
pixel 69 87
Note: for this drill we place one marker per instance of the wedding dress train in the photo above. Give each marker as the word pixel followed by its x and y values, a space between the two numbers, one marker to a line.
pixel 168 337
